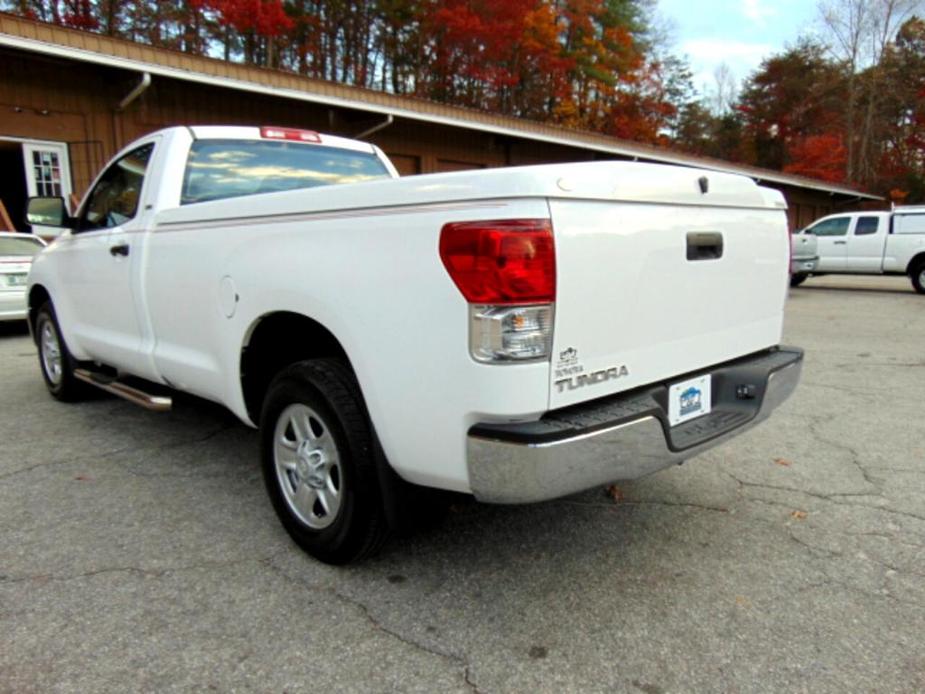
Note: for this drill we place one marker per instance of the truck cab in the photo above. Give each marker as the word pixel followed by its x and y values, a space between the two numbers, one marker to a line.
pixel 851 242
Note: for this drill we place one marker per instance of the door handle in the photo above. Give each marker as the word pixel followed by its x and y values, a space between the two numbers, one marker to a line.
pixel 839 243
pixel 704 245
pixel 119 249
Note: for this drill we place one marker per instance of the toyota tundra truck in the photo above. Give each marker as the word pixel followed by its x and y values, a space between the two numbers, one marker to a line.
pixel 868 243
pixel 514 334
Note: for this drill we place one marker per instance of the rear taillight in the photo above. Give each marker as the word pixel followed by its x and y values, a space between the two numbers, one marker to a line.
pixel 504 262
pixel 292 134
pixel 506 270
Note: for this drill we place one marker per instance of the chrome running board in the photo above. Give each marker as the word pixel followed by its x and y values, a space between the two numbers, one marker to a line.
pixel 157 403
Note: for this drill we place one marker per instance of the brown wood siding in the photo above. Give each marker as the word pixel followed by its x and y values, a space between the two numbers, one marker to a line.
pixel 56 99
pixel 406 164
pixel 806 206
pixel 250 78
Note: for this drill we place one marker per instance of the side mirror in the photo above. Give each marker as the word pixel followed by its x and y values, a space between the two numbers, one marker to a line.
pixel 48 212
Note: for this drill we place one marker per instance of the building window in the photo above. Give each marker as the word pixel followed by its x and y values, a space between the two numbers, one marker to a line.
pixel 47 169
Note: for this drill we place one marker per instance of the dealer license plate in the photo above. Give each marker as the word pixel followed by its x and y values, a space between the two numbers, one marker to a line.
pixel 18 280
pixel 689 399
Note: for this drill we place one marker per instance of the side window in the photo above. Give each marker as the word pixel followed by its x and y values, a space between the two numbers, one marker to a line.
pixel 837 226
pixel 114 199
pixel 909 223
pixel 866 225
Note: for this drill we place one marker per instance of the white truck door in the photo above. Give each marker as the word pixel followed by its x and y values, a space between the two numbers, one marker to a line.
pixel 865 244
pixel 832 236
pixel 100 268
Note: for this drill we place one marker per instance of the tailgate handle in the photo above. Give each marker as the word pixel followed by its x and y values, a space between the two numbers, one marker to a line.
pixel 704 245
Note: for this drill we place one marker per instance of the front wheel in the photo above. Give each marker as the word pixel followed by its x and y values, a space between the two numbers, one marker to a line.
pixel 797 280
pixel 917 275
pixel 55 360
pixel 318 461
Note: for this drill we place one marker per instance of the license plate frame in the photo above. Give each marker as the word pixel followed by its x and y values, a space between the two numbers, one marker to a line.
pixel 690 399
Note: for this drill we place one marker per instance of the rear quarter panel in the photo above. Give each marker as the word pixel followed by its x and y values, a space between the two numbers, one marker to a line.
pixel 375 280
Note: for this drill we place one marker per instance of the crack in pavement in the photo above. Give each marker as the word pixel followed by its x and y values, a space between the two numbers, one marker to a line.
pixel 813 548
pixel 834 498
pixel 642 502
pixel 883 593
pixel 138 570
pixel 886 536
pixel 815 423
pixel 845 389
pixel 363 609
pixel 908 364
pixel 109 454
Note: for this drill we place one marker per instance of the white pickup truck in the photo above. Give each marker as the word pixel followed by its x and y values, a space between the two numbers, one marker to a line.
pixel 515 334
pixel 869 243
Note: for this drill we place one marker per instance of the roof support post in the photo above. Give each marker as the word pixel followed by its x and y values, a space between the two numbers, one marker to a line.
pixel 117 134
pixel 136 92
pixel 389 119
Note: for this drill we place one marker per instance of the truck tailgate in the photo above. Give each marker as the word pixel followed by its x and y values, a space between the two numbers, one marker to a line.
pixel 647 292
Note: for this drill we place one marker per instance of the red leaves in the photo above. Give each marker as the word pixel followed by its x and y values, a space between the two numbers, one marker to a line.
pixel 579 63
pixel 262 17
pixel 819 156
pixel 576 62
pixel 79 14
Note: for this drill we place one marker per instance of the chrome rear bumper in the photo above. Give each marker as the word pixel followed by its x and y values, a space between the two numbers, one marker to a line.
pixel 622 437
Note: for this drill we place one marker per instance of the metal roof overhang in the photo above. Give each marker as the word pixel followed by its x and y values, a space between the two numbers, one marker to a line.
pixel 511 130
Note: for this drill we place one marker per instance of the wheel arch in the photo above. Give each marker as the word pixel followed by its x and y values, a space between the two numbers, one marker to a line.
pixel 38 295
pixel 273 342
pixel 916 261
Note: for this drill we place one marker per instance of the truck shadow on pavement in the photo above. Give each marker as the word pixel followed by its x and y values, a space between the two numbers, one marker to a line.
pixel 13 328
pixel 199 440
pixel 186 487
pixel 806 287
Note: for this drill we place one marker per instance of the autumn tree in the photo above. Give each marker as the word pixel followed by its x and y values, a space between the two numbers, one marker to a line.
pixel 900 118
pixel 793 96
pixel 858 34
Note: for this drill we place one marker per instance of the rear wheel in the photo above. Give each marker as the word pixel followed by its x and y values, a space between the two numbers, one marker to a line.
pixel 318 461
pixel 55 360
pixel 797 280
pixel 917 275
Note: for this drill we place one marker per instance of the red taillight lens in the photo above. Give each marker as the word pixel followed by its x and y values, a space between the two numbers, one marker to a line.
pixel 292 134
pixel 512 261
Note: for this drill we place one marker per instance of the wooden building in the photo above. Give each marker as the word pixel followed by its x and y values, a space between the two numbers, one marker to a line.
pixel 69 100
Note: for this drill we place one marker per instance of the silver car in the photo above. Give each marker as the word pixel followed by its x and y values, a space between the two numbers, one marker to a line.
pixel 16 253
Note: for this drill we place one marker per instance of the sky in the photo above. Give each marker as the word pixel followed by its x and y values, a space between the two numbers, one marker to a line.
pixel 738 32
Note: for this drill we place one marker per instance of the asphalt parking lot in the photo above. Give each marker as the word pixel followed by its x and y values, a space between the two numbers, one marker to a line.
pixel 139 552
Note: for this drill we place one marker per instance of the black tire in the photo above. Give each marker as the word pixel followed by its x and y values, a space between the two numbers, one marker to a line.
pixel 797 280
pixel 917 275
pixel 57 370
pixel 323 399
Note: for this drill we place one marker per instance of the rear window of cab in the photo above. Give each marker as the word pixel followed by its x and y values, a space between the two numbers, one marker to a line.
pixel 219 169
